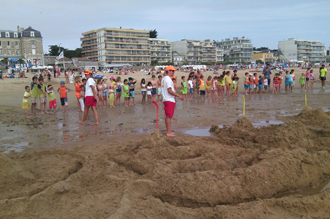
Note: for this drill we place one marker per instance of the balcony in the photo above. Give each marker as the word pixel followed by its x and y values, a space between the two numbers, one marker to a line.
pixel 89 37
pixel 127 35
pixel 126 42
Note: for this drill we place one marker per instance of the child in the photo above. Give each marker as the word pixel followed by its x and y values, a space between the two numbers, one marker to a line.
pixel 149 89
pixel 286 81
pixel 293 78
pixel 202 87
pixel 307 78
pixel 143 90
pixel 42 96
pixel 255 83
pixel 280 82
pixel 260 82
pixel 191 87
pixel 208 86
pixel 246 83
pixel 291 82
pixel 63 96
pixel 51 98
pixel 311 78
pixel 234 86
pixel 111 93
pixel 126 95
pixel 266 83
pixel 159 84
pixel 184 88
pixel 214 88
pixel 250 83
pixel 237 83
pixel 228 83
pixel 26 101
pixel 34 94
pixel 275 83
pixel 99 88
pixel 175 85
pixel 105 93
pixel 222 86
pixel 154 83
pixel 302 80
pixel 82 98
pixel 131 85
pixel 118 91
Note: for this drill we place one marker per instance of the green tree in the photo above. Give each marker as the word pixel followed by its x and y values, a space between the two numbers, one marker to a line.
pixel 54 50
pixel 154 62
pixel 5 61
pixel 20 61
pixel 153 33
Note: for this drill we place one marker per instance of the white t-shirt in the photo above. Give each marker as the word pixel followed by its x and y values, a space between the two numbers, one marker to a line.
pixel 89 91
pixel 167 83
pixel 190 83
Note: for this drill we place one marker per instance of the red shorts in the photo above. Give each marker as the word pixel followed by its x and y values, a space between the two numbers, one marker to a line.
pixel 90 101
pixel 52 104
pixel 169 108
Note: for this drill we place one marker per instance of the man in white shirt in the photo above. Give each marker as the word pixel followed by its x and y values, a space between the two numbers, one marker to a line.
pixel 169 95
pixel 90 97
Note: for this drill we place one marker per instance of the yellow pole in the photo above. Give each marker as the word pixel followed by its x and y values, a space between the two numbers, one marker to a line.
pixel 243 105
pixel 305 99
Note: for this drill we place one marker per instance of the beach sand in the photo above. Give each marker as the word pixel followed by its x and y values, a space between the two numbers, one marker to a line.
pixel 272 163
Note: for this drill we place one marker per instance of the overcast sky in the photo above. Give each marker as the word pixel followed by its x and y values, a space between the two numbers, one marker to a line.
pixel 264 22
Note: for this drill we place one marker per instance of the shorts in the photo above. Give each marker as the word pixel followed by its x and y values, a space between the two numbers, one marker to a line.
pixel 286 83
pixel 90 101
pixel 132 93
pixel 169 108
pixel 159 91
pixel 250 86
pixel 42 99
pixel 266 87
pixel 260 86
pixel 213 88
pixel 202 92
pixel 105 93
pixel 64 101
pixel 275 85
pixel 191 90
pixel 290 83
pixel 246 86
pixel 26 105
pixel 153 91
pixel 323 78
pixel 52 103
pixel 34 99
pixel 144 92
pixel 254 86
pixel 307 79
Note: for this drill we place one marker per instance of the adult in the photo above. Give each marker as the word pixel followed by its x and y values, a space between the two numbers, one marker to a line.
pixel 169 94
pixel 267 71
pixel 323 75
pixel 90 97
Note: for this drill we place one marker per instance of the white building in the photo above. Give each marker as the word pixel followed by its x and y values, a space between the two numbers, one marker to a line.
pixel 236 49
pixel 293 50
pixel 160 50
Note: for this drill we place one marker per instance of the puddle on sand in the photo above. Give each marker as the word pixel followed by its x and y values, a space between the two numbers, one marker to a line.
pixel 268 122
pixel 307 191
pixel 200 132
pixel 18 147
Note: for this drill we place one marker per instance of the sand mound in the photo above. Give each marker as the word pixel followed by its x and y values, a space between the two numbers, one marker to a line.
pixel 236 175
pixel 313 117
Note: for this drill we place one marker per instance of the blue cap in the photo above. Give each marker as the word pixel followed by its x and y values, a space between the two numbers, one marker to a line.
pixel 62 82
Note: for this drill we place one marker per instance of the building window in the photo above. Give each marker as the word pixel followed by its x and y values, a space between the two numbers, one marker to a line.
pixel 8 43
pixel 7 34
pixel 31 34
pixel 0 42
pixel 17 52
pixel 16 43
pixel 15 35
pixel 32 43
pixel 0 51
pixel 8 52
pixel 33 51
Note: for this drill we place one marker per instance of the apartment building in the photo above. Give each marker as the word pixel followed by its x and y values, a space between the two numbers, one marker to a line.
pixel 160 50
pixel 117 46
pixel 24 44
pixel 267 57
pixel 236 49
pixel 195 51
pixel 293 50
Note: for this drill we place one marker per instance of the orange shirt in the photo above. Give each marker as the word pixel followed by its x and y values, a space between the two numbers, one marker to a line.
pixel 250 81
pixel 256 80
pixel 276 80
pixel 63 93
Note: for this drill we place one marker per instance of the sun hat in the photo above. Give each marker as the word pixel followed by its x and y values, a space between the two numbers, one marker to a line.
pixel 62 82
pixel 87 72
pixel 170 68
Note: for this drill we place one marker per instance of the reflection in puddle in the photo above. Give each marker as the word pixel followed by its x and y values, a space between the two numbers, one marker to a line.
pixel 198 132
pixel 18 147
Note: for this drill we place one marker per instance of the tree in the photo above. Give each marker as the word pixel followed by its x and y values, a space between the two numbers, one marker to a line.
pixel 153 33
pixel 54 50
pixel 154 62
pixel 5 61
pixel 20 61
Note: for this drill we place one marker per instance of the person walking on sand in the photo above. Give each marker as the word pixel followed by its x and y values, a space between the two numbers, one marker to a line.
pixel 169 95
pixel 90 97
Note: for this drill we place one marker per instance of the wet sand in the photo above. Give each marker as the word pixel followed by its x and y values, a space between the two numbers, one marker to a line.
pixel 122 169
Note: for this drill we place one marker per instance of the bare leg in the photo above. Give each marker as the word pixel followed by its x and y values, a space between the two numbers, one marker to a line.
pixel 96 115
pixel 85 114
pixel 168 127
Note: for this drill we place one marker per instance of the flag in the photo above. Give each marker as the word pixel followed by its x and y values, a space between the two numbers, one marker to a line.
pixel 60 56
pixel 264 64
